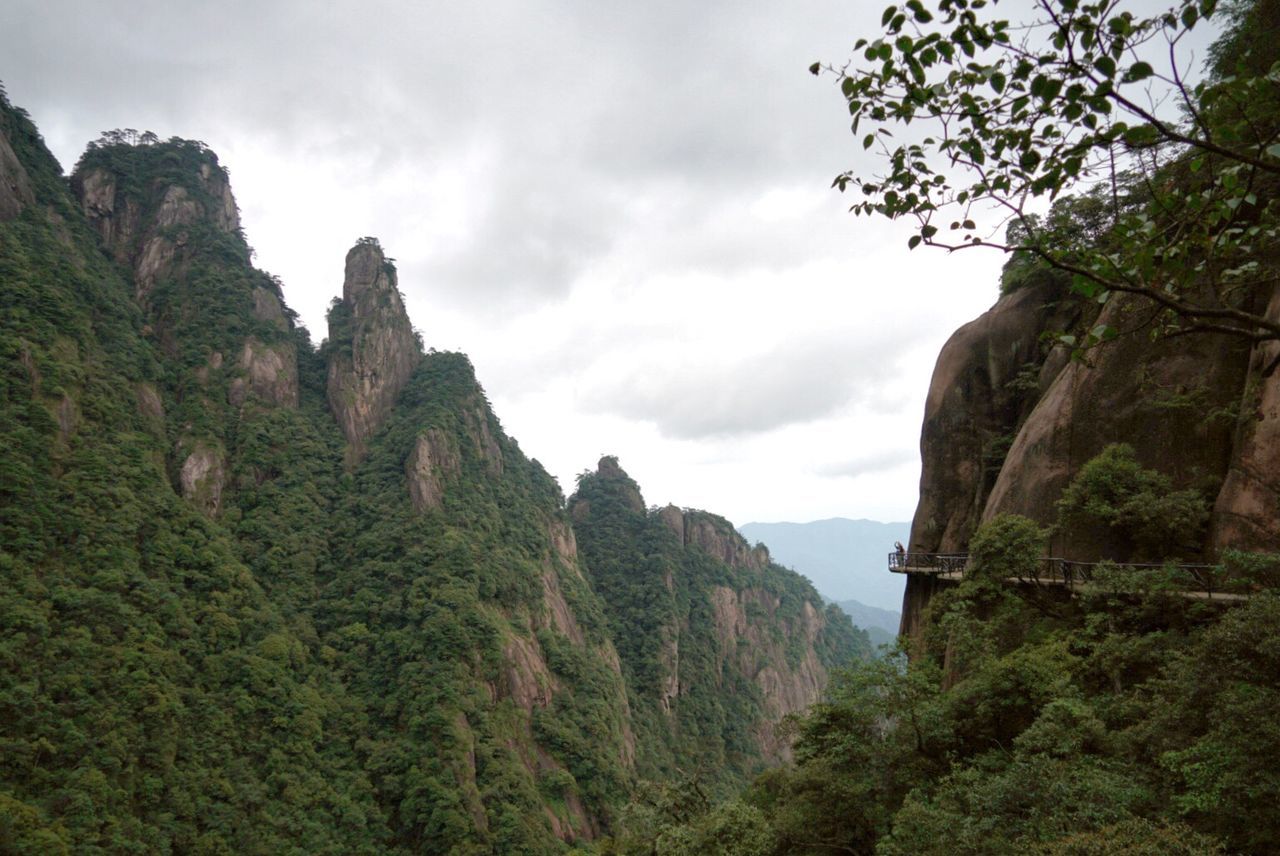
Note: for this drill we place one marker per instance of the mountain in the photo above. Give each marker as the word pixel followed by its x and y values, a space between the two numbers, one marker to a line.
pixel 872 619
pixel 845 559
pixel 717 641
pixel 265 597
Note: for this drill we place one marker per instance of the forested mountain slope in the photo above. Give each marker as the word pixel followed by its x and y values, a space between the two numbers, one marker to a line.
pixel 266 598
pixel 717 642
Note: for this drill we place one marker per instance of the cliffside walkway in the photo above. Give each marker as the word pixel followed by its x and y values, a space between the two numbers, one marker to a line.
pixel 1203 582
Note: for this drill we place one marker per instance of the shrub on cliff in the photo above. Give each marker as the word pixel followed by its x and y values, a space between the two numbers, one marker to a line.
pixel 1133 509
pixel 1009 545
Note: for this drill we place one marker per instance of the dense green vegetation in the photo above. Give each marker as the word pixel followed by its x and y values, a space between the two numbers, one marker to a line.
pixel 295 659
pixel 1126 720
pixel 310 664
pixel 691 699
pixel 155 699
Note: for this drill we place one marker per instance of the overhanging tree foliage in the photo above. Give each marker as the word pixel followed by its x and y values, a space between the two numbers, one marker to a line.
pixel 999 118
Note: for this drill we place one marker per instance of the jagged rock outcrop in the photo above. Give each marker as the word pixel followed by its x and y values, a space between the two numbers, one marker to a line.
pixel 478 429
pixel 373 349
pixel 15 184
pixel 674 518
pixel 203 476
pixel 143 230
pixel 716 537
pixel 563 558
pixel 267 307
pixel 432 463
pixel 753 636
pixel 268 371
pixel 166 212
pixel 151 408
pixel 525 678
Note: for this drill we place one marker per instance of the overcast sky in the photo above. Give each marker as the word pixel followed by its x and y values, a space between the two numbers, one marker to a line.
pixel 621 212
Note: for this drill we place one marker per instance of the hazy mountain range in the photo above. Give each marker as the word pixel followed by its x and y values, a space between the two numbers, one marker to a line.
pixel 845 559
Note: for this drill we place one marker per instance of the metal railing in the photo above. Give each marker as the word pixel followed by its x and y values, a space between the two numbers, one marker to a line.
pixel 936 563
pixel 1050 570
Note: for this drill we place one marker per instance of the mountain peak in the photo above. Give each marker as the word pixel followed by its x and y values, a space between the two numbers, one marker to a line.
pixel 143 196
pixel 372 347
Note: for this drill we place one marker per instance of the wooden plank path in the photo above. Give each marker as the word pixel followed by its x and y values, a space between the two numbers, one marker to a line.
pixel 1203 581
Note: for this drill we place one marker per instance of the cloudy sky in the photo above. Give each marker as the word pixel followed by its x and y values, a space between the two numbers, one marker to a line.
pixel 621 212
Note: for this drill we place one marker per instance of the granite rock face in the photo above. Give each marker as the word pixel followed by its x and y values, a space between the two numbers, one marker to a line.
pixel 203 476
pixel 143 229
pixel 15 184
pixel 987 378
pixel 165 213
pixel 1009 424
pixel 433 462
pixel 376 348
pixel 268 371
pixel 1172 400
pixel 1246 514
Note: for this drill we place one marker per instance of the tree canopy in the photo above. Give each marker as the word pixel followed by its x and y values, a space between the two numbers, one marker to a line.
pixel 999 120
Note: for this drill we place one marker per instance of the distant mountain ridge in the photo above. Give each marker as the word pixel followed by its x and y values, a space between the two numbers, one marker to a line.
pixel 845 559
pixel 870 617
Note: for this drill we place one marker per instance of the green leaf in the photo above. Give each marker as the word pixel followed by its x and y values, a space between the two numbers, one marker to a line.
pixel 998 82
pixel 815 68
pixel 1084 286
pixel 1106 65
pixel 913 242
pixel 1140 135
pixel 1138 71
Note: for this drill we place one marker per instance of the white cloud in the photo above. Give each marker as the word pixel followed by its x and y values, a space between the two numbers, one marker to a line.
pixel 620 212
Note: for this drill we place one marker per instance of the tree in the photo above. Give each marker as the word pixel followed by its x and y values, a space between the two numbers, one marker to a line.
pixel 1144 517
pixel 1001 118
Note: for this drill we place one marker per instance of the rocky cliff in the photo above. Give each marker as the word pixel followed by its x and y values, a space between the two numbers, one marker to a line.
pixel 15 185
pixel 165 213
pixel 144 220
pixel 372 347
pixel 1009 422
pixel 700 615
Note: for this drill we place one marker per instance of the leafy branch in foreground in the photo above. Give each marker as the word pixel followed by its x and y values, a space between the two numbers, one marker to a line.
pixel 1000 117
